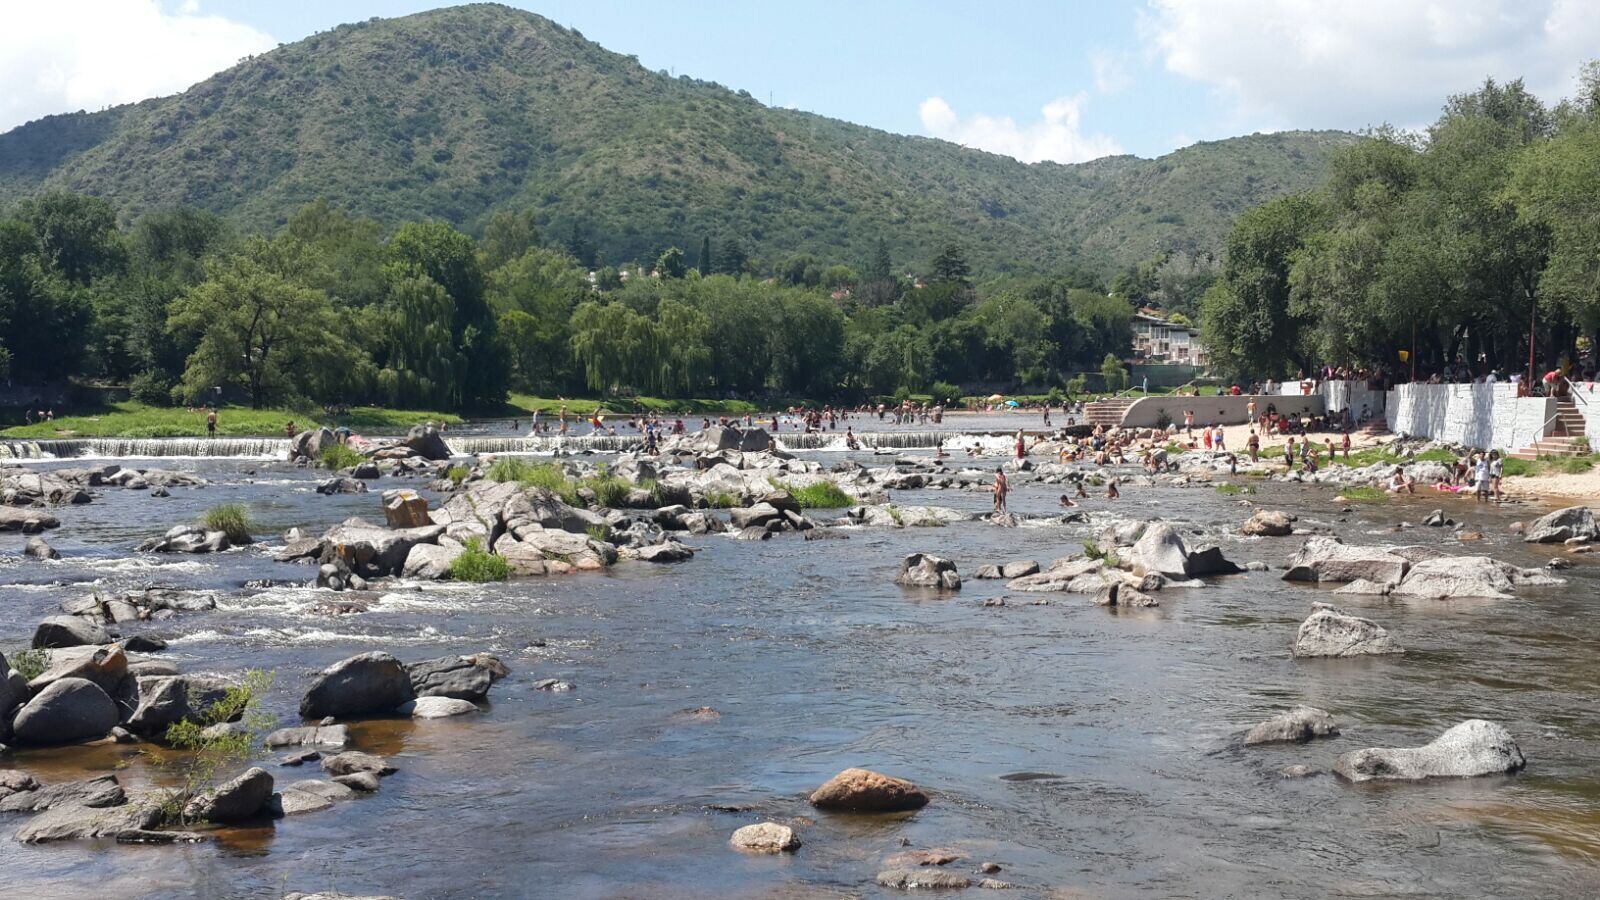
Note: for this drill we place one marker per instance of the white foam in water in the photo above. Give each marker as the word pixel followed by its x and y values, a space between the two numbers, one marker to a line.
pixel 145 563
pixel 307 636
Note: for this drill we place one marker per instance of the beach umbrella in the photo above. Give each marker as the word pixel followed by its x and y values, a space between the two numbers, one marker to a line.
pixel 1013 404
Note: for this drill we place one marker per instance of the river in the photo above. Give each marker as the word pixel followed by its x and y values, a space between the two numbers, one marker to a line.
pixel 814 660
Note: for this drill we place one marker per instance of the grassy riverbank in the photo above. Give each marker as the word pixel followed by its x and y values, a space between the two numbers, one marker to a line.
pixel 130 419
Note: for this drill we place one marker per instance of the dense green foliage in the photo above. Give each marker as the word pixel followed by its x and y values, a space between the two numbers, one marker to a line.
pixel 1461 243
pixel 458 113
pixel 477 564
pixel 329 311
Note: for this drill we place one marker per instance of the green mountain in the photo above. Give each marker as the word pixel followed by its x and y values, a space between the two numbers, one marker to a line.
pixel 459 112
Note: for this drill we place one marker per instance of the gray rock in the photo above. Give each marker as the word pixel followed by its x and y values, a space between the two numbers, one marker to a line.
pixel 236 800
pixel 460 677
pixel 1124 595
pixel 1330 631
pixel 1268 523
pixel 405 509
pixel 431 562
pixel 1161 551
pixel 1324 558
pixel 437 708
pixel 1475 747
pixel 68 631
pixel 1072 574
pixel 1467 576
pixel 365 782
pixel 765 837
pixel 309 736
pixel 26 520
pixel 1298 725
pixel 72 822
pixel 664 552
pixel 167 700
pixel 923 879
pixel 25 795
pixel 311 796
pixel 426 442
pixel 38 549
pixel 341 484
pixel 355 761
pixel 927 570
pixel 365 684
pixel 1573 522
pixel 70 709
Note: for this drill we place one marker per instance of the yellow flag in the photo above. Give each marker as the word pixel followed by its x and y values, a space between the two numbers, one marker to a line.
pixel 1405 355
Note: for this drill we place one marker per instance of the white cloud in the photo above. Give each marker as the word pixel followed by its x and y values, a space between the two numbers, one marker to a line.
pixel 1110 72
pixel 1346 64
pixel 66 55
pixel 1057 136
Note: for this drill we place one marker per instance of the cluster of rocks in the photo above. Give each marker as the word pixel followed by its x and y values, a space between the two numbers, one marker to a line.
pixel 90 691
pixel 1471 749
pixel 376 684
pixel 421 442
pixel 1574 526
pixel 24 487
pixel 1414 572
pixel 193 538
pixel 148 604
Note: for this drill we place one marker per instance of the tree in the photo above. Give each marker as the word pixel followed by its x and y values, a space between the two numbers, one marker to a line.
pixel 258 331
pixel 670 264
pixel 951 265
pixel 1246 319
pixel 45 318
pixel 704 264
pixel 435 251
pixel 1116 376
pixel 881 287
pixel 506 236
pixel 77 235
pixel 732 259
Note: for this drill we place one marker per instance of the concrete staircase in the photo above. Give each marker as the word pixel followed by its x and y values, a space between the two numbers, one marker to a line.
pixel 1566 430
pixel 1107 412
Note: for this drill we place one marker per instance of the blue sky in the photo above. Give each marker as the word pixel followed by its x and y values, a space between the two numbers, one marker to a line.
pixel 1062 80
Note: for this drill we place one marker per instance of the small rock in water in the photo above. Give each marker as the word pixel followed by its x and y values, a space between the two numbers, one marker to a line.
pixel 365 782
pixel 995 601
pixel 989 868
pixel 923 879
pixel 553 684
pixel 301 758
pixel 938 856
pixel 1558 563
pixel 1297 726
pixel 765 837
pixel 862 790
pixel 1298 770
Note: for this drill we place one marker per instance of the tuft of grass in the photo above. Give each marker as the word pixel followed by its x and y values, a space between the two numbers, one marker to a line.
pixel 1228 489
pixel 822 495
pixel 548 476
pixel 338 456
pixel 609 490
pixel 597 533
pixel 1094 551
pixel 457 474
pixel 1520 467
pixel 478 565
pixel 721 500
pixel 1572 465
pixel 1363 493
pixel 232 519
pixel 29 663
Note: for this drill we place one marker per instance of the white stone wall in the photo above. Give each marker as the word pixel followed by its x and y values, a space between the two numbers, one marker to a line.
pixel 1486 416
pixel 1587 396
pixel 1147 412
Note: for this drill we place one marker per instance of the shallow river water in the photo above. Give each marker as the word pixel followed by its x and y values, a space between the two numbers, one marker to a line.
pixel 814 660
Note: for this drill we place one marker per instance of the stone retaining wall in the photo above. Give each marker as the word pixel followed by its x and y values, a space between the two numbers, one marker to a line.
pixel 1147 412
pixel 1486 416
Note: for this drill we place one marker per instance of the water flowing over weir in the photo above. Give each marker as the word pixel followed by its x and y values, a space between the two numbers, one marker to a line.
pixel 128 448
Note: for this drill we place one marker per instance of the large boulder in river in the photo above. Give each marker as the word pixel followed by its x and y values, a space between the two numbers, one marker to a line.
pixel 1296 726
pixel 68 631
pixel 1475 747
pixel 1324 558
pixel 1072 574
pixel 1445 577
pixel 71 709
pixel 13 693
pixel 927 570
pixel 310 444
pixel 36 548
pixel 1573 522
pixel 461 677
pixel 365 684
pixel 863 790
pixel 187 539
pixel 27 521
pixel 1268 523
pixel 426 441
pixel 236 800
pixel 1161 551
pixel 405 509
pixel 373 550
pixel 431 562
pixel 1330 631
pixel 168 699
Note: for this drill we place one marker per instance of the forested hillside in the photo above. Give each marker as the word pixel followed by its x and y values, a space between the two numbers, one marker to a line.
pixel 458 113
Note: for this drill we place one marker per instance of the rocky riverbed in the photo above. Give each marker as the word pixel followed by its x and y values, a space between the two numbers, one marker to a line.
pixel 1055 702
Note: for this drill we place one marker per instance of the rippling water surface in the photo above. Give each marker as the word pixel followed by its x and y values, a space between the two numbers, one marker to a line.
pixel 813 660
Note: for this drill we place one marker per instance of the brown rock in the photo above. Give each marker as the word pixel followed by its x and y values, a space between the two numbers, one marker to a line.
pixel 862 790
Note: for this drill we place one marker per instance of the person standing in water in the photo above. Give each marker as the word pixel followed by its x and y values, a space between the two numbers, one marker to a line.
pixel 1001 489
pixel 211 422
pixel 1022 447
